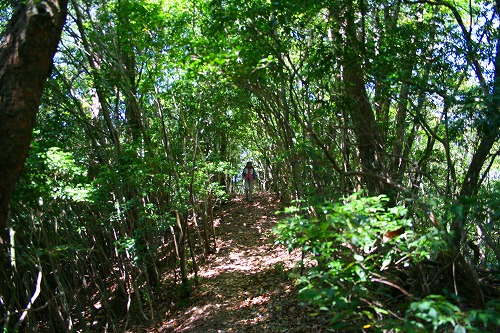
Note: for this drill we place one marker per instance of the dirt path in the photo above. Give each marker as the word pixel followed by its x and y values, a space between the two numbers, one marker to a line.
pixel 243 287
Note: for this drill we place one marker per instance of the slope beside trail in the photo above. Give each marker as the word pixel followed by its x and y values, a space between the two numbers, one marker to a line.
pixel 244 287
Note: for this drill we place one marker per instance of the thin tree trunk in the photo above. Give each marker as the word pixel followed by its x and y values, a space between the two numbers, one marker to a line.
pixel 93 59
pixel 488 136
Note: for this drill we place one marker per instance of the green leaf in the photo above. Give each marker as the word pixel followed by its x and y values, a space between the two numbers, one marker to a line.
pixel 359 257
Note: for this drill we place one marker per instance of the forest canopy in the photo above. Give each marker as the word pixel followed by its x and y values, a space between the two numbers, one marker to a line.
pixel 363 117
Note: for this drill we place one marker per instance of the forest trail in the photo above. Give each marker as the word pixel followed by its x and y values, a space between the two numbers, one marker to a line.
pixel 244 287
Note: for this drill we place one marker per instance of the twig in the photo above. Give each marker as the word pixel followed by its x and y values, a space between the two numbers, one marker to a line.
pixel 33 298
pixel 389 283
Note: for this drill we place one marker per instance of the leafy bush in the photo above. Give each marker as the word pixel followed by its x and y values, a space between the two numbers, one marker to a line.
pixel 357 268
pixel 435 313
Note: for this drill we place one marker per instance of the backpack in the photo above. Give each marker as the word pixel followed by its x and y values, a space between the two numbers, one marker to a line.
pixel 250 175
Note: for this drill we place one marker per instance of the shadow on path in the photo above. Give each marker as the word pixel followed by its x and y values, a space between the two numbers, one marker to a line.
pixel 243 285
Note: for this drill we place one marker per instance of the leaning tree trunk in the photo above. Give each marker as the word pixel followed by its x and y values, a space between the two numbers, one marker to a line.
pixel 26 53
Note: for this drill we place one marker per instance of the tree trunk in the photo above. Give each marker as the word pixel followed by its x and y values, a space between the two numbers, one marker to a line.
pixel 365 125
pixel 488 135
pixel 26 53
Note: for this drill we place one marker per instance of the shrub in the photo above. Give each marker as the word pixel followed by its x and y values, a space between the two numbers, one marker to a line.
pixel 356 280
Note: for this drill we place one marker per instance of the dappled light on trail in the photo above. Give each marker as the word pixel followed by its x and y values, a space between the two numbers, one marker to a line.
pixel 242 285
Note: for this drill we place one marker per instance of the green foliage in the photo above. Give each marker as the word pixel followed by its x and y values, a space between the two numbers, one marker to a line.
pixel 345 239
pixel 51 174
pixel 433 312
pixel 354 264
pixel 484 320
pixel 62 170
pixel 437 314
pixel 215 82
pixel 485 212
pixel 357 275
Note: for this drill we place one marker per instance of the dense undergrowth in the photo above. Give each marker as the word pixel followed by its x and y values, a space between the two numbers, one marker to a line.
pixel 377 272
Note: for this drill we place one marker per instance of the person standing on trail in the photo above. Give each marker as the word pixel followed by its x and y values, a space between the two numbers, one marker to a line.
pixel 249 176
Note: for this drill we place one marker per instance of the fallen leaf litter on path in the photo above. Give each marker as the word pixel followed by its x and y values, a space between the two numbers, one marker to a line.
pixel 244 287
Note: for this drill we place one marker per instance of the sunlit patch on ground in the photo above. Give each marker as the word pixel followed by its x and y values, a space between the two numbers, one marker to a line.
pixel 239 283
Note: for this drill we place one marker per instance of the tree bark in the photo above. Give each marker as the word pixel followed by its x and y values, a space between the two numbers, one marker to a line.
pixel 365 125
pixel 26 54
